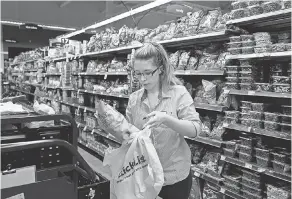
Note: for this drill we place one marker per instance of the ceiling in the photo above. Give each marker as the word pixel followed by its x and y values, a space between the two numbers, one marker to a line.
pixel 79 14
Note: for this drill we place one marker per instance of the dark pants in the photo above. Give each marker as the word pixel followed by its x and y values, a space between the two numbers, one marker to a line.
pixel 179 190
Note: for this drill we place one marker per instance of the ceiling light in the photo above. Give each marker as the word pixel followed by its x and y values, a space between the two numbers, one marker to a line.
pixel 5 53
pixel 118 17
pixel 43 26
pixel 10 41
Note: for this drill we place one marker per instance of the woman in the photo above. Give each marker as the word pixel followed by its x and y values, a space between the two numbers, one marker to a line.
pixel 168 110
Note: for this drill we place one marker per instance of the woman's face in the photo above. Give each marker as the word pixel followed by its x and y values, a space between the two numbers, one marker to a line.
pixel 147 73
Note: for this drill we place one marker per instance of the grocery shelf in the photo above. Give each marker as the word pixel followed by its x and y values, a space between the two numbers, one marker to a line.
pixel 200 38
pixel 254 167
pixel 274 134
pixel 24 62
pixel 274 55
pixel 231 194
pixel 32 84
pixel 87 147
pixel 124 49
pixel 260 93
pixel 52 74
pixel 103 93
pixel 85 108
pixel 28 93
pixel 99 132
pixel 31 70
pixel 200 174
pixel 205 140
pixel 201 72
pixel 277 19
pixel 210 107
pixel 104 73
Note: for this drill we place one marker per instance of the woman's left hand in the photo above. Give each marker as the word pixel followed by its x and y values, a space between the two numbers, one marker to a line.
pixel 156 119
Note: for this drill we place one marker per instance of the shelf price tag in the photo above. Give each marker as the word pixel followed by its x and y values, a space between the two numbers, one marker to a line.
pixel 251 92
pixel 78 125
pixel 222 190
pixel 223 157
pixel 249 129
pixel 187 72
pixel 92 132
pixel 78 91
pixel 120 95
pixel 226 91
pixel 261 170
pixel 85 128
pixel 105 76
pixel 248 166
pixel 197 174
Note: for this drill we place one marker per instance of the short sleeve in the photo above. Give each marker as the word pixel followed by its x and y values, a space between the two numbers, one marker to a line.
pixel 186 110
pixel 129 115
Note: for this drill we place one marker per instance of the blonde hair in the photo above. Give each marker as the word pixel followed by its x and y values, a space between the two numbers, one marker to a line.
pixel 156 53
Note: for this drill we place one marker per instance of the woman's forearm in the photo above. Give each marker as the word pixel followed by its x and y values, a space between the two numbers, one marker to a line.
pixel 183 127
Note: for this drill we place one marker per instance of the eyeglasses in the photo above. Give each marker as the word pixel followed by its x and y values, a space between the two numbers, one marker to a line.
pixel 146 74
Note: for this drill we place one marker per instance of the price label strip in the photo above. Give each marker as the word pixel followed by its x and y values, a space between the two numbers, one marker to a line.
pixel 226 91
pixel 225 125
pixel 251 93
pixel 197 174
pixel 261 170
pixel 223 157
pixel 222 190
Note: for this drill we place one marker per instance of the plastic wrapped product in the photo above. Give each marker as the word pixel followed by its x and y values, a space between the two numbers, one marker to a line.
pixel 183 61
pixel 245 116
pixel 239 4
pixel 234 44
pixel 281 79
pixel 232 85
pixel 232 74
pixel 245 149
pixel 276 73
pixel 232 68
pixel 286 128
pixel 262 49
pixel 174 58
pixel 284 35
pixel 232 79
pixel 247 38
pixel 235 39
pixel 245 157
pixel 234 51
pixel 256 124
pixel 229 152
pixel 254 2
pixel 239 13
pixel 278 190
pixel 264 153
pixel 279 167
pixel 245 86
pixel 263 87
pixel 251 175
pixel 244 80
pixel 247 194
pixel 262 36
pixel 276 68
pixel 271 6
pixel 232 187
pixel 247 50
pixel 248 44
pixel 245 74
pixel 230 145
pixel 282 88
pixel 246 104
pixel 246 68
pixel 287 46
pixel 256 115
pixel 249 142
pixel 245 122
pixel 286 119
pixel 272 117
pixel 252 190
pixel 280 157
pixel 271 126
pixel 252 183
pixel 245 109
pixel 232 114
pixel 263 162
pixel 260 107
pixel 287 4
pixel 255 10
pixel 278 47
pixel 230 120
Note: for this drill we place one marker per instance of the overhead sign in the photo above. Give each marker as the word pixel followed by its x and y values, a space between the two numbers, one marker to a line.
pixel 30 26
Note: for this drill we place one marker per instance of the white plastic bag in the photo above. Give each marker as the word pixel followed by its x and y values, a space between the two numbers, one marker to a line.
pixel 136 170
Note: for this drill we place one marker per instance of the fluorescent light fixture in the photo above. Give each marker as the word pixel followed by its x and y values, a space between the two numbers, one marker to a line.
pixel 43 26
pixel 5 53
pixel 118 17
pixel 10 41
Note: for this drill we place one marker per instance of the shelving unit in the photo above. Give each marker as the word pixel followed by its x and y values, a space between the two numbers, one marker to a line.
pixel 210 107
pixel 208 141
pixel 260 94
pixel 256 168
pixel 268 56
